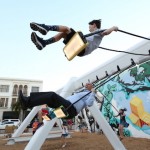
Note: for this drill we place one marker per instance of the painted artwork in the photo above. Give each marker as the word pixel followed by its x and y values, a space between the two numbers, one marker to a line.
pixel 131 90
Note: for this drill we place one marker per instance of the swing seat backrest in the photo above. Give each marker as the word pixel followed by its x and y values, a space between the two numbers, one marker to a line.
pixel 76 44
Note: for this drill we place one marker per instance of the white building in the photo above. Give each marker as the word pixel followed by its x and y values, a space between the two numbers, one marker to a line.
pixel 9 88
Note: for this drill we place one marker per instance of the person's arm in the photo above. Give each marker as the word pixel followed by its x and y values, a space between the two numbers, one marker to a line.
pixel 108 31
pixel 117 115
pixel 91 98
pixel 89 102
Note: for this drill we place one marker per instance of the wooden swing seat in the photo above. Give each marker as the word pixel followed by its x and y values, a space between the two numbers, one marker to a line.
pixel 76 44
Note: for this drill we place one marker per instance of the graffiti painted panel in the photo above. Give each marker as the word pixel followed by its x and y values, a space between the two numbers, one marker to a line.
pixel 130 90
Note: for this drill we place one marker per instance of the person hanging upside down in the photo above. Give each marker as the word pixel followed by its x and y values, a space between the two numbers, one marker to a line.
pixel 53 100
pixel 67 33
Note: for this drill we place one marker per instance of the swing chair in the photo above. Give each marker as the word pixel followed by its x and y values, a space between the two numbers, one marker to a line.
pixel 76 44
pixel 61 112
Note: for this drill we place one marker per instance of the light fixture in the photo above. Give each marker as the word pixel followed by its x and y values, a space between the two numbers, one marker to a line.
pixel 132 62
pixel 97 78
pixel 118 68
pixel 106 73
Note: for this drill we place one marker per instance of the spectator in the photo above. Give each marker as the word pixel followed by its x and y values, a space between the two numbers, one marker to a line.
pixel 122 123
pixel 70 123
pixel 53 100
pixel 67 33
pixel 35 126
pixel 64 133
pixel 82 125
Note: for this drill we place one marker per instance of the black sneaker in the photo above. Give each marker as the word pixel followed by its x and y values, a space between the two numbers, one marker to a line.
pixel 23 100
pixel 39 42
pixel 42 28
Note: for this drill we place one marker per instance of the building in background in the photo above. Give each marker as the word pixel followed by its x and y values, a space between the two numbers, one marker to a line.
pixel 9 88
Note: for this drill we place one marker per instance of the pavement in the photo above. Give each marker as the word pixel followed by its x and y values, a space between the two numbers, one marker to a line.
pixel 25 137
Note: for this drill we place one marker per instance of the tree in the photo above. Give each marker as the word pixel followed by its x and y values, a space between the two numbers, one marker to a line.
pixel 18 108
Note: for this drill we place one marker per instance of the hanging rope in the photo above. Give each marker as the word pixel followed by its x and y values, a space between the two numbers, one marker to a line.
pixel 124 51
pixel 109 102
pixel 102 83
pixel 133 34
pixel 108 109
pixel 97 32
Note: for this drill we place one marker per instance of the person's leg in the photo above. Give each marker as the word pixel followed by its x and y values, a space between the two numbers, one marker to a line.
pixel 63 141
pixel 121 131
pixel 40 116
pixel 43 29
pixel 52 99
pixel 82 129
pixel 65 33
pixel 40 43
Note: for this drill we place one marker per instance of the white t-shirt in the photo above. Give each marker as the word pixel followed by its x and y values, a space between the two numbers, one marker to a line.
pixel 93 42
pixel 64 130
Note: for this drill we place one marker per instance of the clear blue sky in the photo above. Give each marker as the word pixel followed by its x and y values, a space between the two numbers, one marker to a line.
pixel 20 58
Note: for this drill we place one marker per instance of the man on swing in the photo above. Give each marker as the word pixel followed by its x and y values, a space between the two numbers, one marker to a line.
pixel 72 103
pixel 67 33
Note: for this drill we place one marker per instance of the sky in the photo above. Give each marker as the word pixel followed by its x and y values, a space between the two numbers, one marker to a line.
pixel 20 58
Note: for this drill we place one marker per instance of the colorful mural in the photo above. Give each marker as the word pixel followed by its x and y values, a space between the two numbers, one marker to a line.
pixel 131 90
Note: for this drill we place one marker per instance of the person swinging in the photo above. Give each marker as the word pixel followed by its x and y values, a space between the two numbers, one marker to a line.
pixel 67 33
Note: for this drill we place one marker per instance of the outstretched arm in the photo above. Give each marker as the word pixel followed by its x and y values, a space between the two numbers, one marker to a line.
pixel 117 115
pixel 108 31
pixel 91 98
